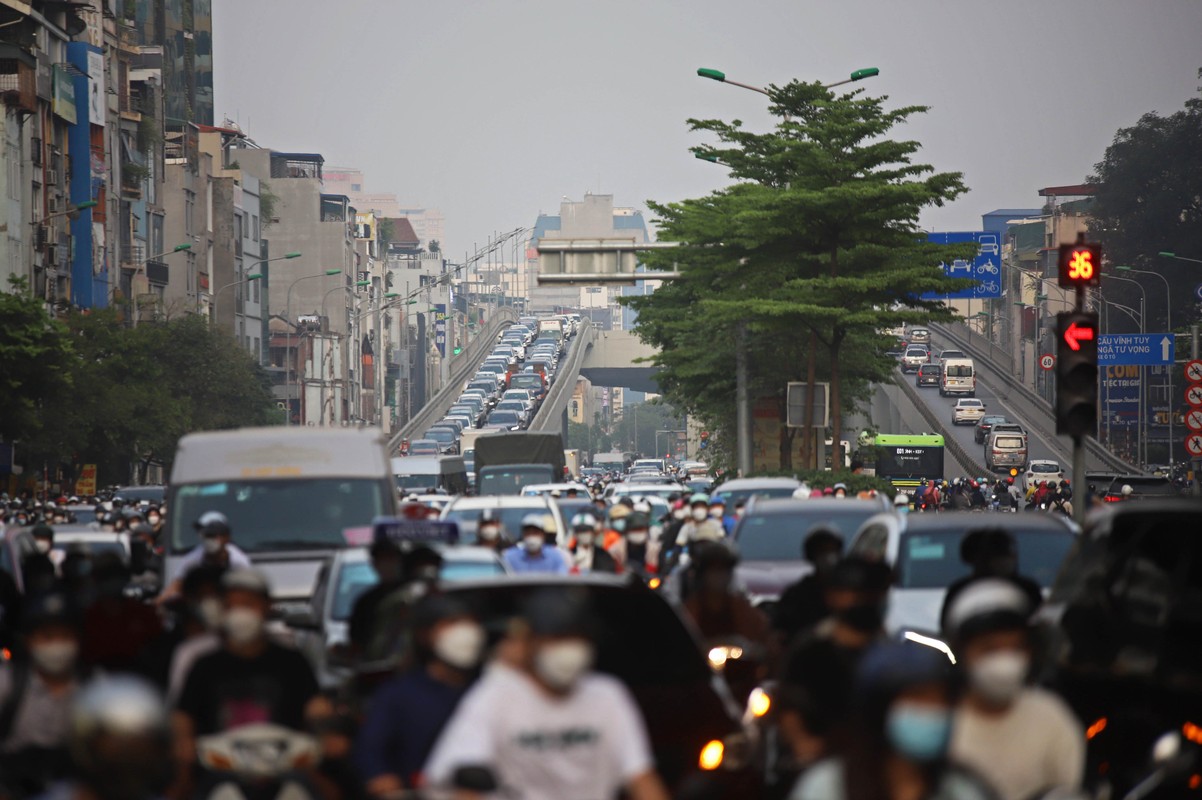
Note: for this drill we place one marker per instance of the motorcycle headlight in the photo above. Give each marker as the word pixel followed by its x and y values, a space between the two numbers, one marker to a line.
pixel 718 656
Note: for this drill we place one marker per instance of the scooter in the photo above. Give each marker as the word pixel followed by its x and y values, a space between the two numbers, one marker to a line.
pixel 262 761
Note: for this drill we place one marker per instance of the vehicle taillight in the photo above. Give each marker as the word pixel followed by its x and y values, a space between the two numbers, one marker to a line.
pixel 711 755
pixel 1112 498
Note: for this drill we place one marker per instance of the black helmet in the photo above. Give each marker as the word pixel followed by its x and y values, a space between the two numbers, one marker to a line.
pixel 638 519
pixel 858 574
pixel 889 668
pixel 213 523
pixel 559 612
pixel 49 608
pixel 713 554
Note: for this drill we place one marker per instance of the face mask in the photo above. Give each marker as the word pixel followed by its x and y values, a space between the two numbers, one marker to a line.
pixel 863 617
pixel 561 664
pixel 700 514
pixel 56 657
pixel 619 525
pixel 584 539
pixel 637 537
pixel 243 625
pixel 679 513
pixel 999 677
pixel 717 512
pixel 460 644
pixel 919 732
pixel 211 545
pixel 489 533
pixel 42 545
pixel 840 493
pixel 532 543
pixel 153 519
pixel 210 612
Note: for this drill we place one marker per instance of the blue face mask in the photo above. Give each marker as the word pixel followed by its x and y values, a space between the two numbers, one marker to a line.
pixel 919 732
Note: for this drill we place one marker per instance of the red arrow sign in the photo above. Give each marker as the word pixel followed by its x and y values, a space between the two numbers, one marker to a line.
pixel 1075 334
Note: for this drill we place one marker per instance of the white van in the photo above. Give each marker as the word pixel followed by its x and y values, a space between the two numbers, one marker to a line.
pixel 292 496
pixel 958 376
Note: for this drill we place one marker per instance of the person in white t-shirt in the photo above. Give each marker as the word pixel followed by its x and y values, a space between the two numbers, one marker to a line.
pixel 544 724
pixel 1023 740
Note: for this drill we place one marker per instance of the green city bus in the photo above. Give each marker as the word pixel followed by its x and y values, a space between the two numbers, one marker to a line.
pixel 907 460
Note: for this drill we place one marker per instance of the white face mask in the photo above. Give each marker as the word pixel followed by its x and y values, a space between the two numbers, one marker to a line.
pixel 561 664
pixel 242 625
pixel 56 657
pixel 717 512
pixel 532 543
pixel 211 545
pixel 42 545
pixel 999 677
pixel 460 644
pixel 489 533
pixel 153 519
pixel 211 611
pixel 637 538
pixel 584 539
pixel 679 513
pixel 701 514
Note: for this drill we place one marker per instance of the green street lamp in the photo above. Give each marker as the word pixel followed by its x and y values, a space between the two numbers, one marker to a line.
pixel 1171 254
pixel 720 76
pixel 363 283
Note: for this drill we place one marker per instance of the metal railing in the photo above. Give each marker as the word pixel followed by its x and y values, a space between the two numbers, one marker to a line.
pixel 549 414
pixel 1037 411
pixel 462 367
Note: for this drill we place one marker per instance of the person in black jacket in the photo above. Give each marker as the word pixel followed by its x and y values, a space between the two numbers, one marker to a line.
pixel 802 605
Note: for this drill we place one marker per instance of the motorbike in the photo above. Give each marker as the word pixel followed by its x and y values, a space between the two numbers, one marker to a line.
pixel 261 761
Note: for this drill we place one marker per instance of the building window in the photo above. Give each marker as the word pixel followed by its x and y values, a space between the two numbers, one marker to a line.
pixel 238 229
pixel 254 227
pixel 189 207
pixel 356 187
pixel 255 291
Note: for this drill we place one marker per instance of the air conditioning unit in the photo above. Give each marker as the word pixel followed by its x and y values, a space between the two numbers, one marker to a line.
pixel 54 204
pixel 52 255
pixel 52 177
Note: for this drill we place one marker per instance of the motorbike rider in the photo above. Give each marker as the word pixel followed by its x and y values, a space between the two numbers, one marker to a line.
pixel 820 665
pixel 991 553
pixel 407 713
pixel 718 514
pixel 116 628
pixel 715 607
pixel 700 527
pixel 1022 739
pixel 579 733
pixel 635 552
pixel 535 553
pixel 490 532
pixel 802 605
pixel 249 679
pixel 585 547
pixel 898 733
pixel 215 548
pixel 386 560
pixel 37 688
pixel 120 742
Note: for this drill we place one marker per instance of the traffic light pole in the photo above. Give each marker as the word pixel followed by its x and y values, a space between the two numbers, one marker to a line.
pixel 1081 490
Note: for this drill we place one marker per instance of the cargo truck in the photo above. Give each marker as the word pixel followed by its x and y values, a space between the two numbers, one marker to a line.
pixel 506 463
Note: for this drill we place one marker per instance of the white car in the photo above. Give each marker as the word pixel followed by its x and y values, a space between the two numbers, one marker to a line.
pixel 967 411
pixel 1038 470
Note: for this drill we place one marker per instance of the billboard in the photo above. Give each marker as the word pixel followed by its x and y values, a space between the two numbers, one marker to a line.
pixel 1119 387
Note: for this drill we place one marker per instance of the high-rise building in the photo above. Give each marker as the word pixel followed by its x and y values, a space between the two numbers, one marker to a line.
pixel 184 29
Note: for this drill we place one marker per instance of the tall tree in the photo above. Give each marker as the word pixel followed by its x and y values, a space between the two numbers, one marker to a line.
pixel 35 361
pixel 816 245
pixel 1149 199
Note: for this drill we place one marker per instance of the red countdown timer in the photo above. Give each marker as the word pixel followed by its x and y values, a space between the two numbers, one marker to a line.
pixel 1080 265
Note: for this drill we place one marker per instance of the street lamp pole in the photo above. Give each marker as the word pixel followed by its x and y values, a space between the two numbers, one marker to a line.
pixel 257 276
pixel 1169 254
pixel 252 277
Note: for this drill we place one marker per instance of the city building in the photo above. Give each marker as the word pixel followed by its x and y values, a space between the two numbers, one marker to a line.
pixel 428 223
pixel 184 30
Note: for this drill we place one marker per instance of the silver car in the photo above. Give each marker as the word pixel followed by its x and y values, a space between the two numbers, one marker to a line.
pixel 322 631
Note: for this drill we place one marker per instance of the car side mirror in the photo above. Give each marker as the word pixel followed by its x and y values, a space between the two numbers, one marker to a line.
pixel 302 621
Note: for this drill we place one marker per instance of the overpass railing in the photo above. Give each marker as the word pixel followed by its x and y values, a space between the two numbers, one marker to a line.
pixel 549 414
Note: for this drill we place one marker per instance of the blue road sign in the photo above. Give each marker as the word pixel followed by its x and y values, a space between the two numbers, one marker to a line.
pixel 1198 291
pixel 985 267
pixel 1136 349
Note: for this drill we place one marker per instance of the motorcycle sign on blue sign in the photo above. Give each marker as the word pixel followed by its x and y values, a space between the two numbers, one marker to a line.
pixel 1136 349
pixel 985 267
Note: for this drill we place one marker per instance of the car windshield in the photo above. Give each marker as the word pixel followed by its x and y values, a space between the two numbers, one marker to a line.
pixel 1037 466
pixel 513 479
pixel 410 482
pixel 136 494
pixel 441 435
pixel 970 404
pixel 526 382
pixel 510 516
pixel 511 405
pixel 931 560
pixel 503 417
pixel 1009 442
pixel 92 547
pixel 734 496
pixel 778 537
pixel 988 421
pixel 356 578
pixel 915 351
pixel 959 371
pixel 267 515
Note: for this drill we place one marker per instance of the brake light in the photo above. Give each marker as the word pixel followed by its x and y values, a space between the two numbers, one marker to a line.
pixel 711 755
pixel 1112 498
pixel 1192 732
pixel 1096 728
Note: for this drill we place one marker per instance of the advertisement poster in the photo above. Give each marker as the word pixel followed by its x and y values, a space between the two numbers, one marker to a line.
pixel 63 93
pixel 440 328
pixel 96 92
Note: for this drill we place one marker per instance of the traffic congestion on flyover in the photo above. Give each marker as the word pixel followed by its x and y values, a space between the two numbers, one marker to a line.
pixel 487 610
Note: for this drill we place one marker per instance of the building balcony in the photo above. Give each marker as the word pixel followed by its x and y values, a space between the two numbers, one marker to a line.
pixel 18 78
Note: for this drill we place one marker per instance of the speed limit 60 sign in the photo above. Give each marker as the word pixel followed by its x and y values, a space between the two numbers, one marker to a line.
pixel 1047 362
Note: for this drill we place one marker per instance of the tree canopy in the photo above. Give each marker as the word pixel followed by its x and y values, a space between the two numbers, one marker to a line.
pixel 1149 199
pixel 814 251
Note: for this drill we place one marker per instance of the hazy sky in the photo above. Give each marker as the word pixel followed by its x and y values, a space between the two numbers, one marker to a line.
pixel 492 110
